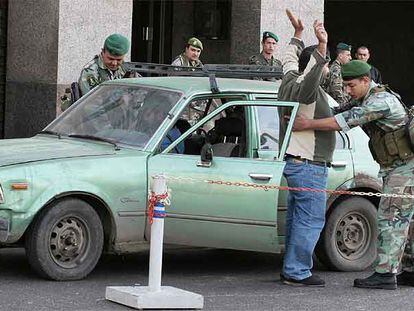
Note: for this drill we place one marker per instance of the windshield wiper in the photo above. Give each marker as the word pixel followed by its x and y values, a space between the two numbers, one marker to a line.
pixel 91 137
pixel 50 132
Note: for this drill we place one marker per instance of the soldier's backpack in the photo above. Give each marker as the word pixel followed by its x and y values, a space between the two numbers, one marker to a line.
pixel 409 125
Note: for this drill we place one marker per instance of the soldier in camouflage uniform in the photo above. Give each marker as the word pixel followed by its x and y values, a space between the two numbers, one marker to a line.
pixel 266 56
pixel 382 115
pixel 334 83
pixel 191 55
pixel 105 66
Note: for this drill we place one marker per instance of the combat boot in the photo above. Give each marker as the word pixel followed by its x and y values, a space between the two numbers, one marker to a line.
pixel 405 278
pixel 378 280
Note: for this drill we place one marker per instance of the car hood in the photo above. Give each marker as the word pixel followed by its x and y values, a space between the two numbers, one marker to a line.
pixel 40 148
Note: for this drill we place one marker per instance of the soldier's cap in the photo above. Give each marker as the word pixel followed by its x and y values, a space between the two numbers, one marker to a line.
pixel 195 43
pixel 269 34
pixel 343 47
pixel 116 44
pixel 355 69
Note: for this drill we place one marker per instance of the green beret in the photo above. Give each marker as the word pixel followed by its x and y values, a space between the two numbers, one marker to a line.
pixel 268 34
pixel 116 45
pixel 344 47
pixel 195 42
pixel 355 69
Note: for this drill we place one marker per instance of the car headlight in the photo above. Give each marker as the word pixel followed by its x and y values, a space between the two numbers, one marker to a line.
pixel 1 195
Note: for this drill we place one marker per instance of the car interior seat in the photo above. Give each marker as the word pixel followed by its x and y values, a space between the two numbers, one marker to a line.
pixel 230 131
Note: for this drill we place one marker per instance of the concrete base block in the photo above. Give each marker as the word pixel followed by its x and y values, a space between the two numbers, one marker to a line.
pixel 140 297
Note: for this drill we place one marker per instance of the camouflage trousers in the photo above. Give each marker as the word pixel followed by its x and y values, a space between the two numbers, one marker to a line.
pixel 393 221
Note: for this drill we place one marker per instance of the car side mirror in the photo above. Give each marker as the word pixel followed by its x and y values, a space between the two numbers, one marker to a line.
pixel 206 156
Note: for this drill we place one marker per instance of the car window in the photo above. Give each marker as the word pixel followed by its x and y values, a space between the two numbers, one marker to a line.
pixel 226 132
pixel 125 114
pixel 268 128
pixel 195 111
pixel 200 107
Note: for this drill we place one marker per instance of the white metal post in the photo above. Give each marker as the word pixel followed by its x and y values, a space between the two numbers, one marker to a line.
pixel 157 236
pixel 155 296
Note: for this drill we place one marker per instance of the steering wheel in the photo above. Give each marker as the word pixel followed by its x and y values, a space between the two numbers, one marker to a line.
pixel 263 139
pixel 202 132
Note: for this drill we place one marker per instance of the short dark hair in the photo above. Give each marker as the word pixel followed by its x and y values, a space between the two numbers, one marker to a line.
pixel 362 47
pixel 304 57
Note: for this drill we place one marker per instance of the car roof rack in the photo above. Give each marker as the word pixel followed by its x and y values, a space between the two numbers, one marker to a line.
pixel 219 70
pixel 208 70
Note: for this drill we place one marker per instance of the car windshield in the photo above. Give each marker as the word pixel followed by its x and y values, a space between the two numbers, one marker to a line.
pixel 117 113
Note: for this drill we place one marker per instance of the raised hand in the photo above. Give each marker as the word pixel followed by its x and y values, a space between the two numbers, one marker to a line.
pixel 320 32
pixel 296 23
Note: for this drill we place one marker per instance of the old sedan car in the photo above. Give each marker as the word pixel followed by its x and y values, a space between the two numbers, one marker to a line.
pixel 80 187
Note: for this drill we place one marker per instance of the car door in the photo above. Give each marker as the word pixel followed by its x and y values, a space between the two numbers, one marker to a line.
pixel 223 205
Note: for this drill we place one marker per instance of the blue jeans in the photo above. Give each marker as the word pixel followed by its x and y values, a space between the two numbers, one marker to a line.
pixel 305 217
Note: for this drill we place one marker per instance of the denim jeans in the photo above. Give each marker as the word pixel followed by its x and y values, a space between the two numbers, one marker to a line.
pixel 305 216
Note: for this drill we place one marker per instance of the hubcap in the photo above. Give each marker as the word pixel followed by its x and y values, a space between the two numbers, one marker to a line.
pixel 68 241
pixel 352 235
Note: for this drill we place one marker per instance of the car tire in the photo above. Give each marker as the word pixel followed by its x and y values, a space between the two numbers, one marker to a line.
pixel 348 241
pixel 65 241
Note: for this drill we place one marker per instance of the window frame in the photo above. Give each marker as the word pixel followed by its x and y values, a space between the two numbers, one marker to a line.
pixel 251 130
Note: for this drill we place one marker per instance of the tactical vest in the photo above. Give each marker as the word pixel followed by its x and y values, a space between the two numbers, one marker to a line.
pixel 388 147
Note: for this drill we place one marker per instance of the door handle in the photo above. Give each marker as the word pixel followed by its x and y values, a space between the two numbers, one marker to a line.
pixel 339 164
pixel 260 176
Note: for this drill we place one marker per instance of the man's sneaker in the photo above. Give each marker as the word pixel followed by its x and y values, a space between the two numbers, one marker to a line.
pixel 313 281
pixel 378 281
pixel 405 278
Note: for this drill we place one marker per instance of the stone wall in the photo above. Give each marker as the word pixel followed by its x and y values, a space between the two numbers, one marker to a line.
pixel 251 18
pixel 3 58
pixel 32 50
pixel 83 27
pixel 245 30
pixel 273 18
pixel 49 41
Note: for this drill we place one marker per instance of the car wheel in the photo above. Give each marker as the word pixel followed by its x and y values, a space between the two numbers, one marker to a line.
pixel 348 241
pixel 65 240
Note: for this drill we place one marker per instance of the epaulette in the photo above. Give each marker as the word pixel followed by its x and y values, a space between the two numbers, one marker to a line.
pixel 253 58
pixel 378 89
pixel 91 62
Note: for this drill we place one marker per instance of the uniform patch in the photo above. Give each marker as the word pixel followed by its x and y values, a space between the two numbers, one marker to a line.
pixel 92 81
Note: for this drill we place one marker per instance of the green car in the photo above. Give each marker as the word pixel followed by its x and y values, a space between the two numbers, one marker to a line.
pixel 80 187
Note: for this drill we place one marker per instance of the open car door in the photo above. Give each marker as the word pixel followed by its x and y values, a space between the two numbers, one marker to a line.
pixel 221 202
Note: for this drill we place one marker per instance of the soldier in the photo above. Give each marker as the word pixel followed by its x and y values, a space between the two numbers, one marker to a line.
pixel 383 116
pixel 266 56
pixel 105 66
pixel 334 84
pixel 191 55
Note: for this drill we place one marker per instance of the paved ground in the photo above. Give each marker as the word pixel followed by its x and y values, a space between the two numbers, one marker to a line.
pixel 228 280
